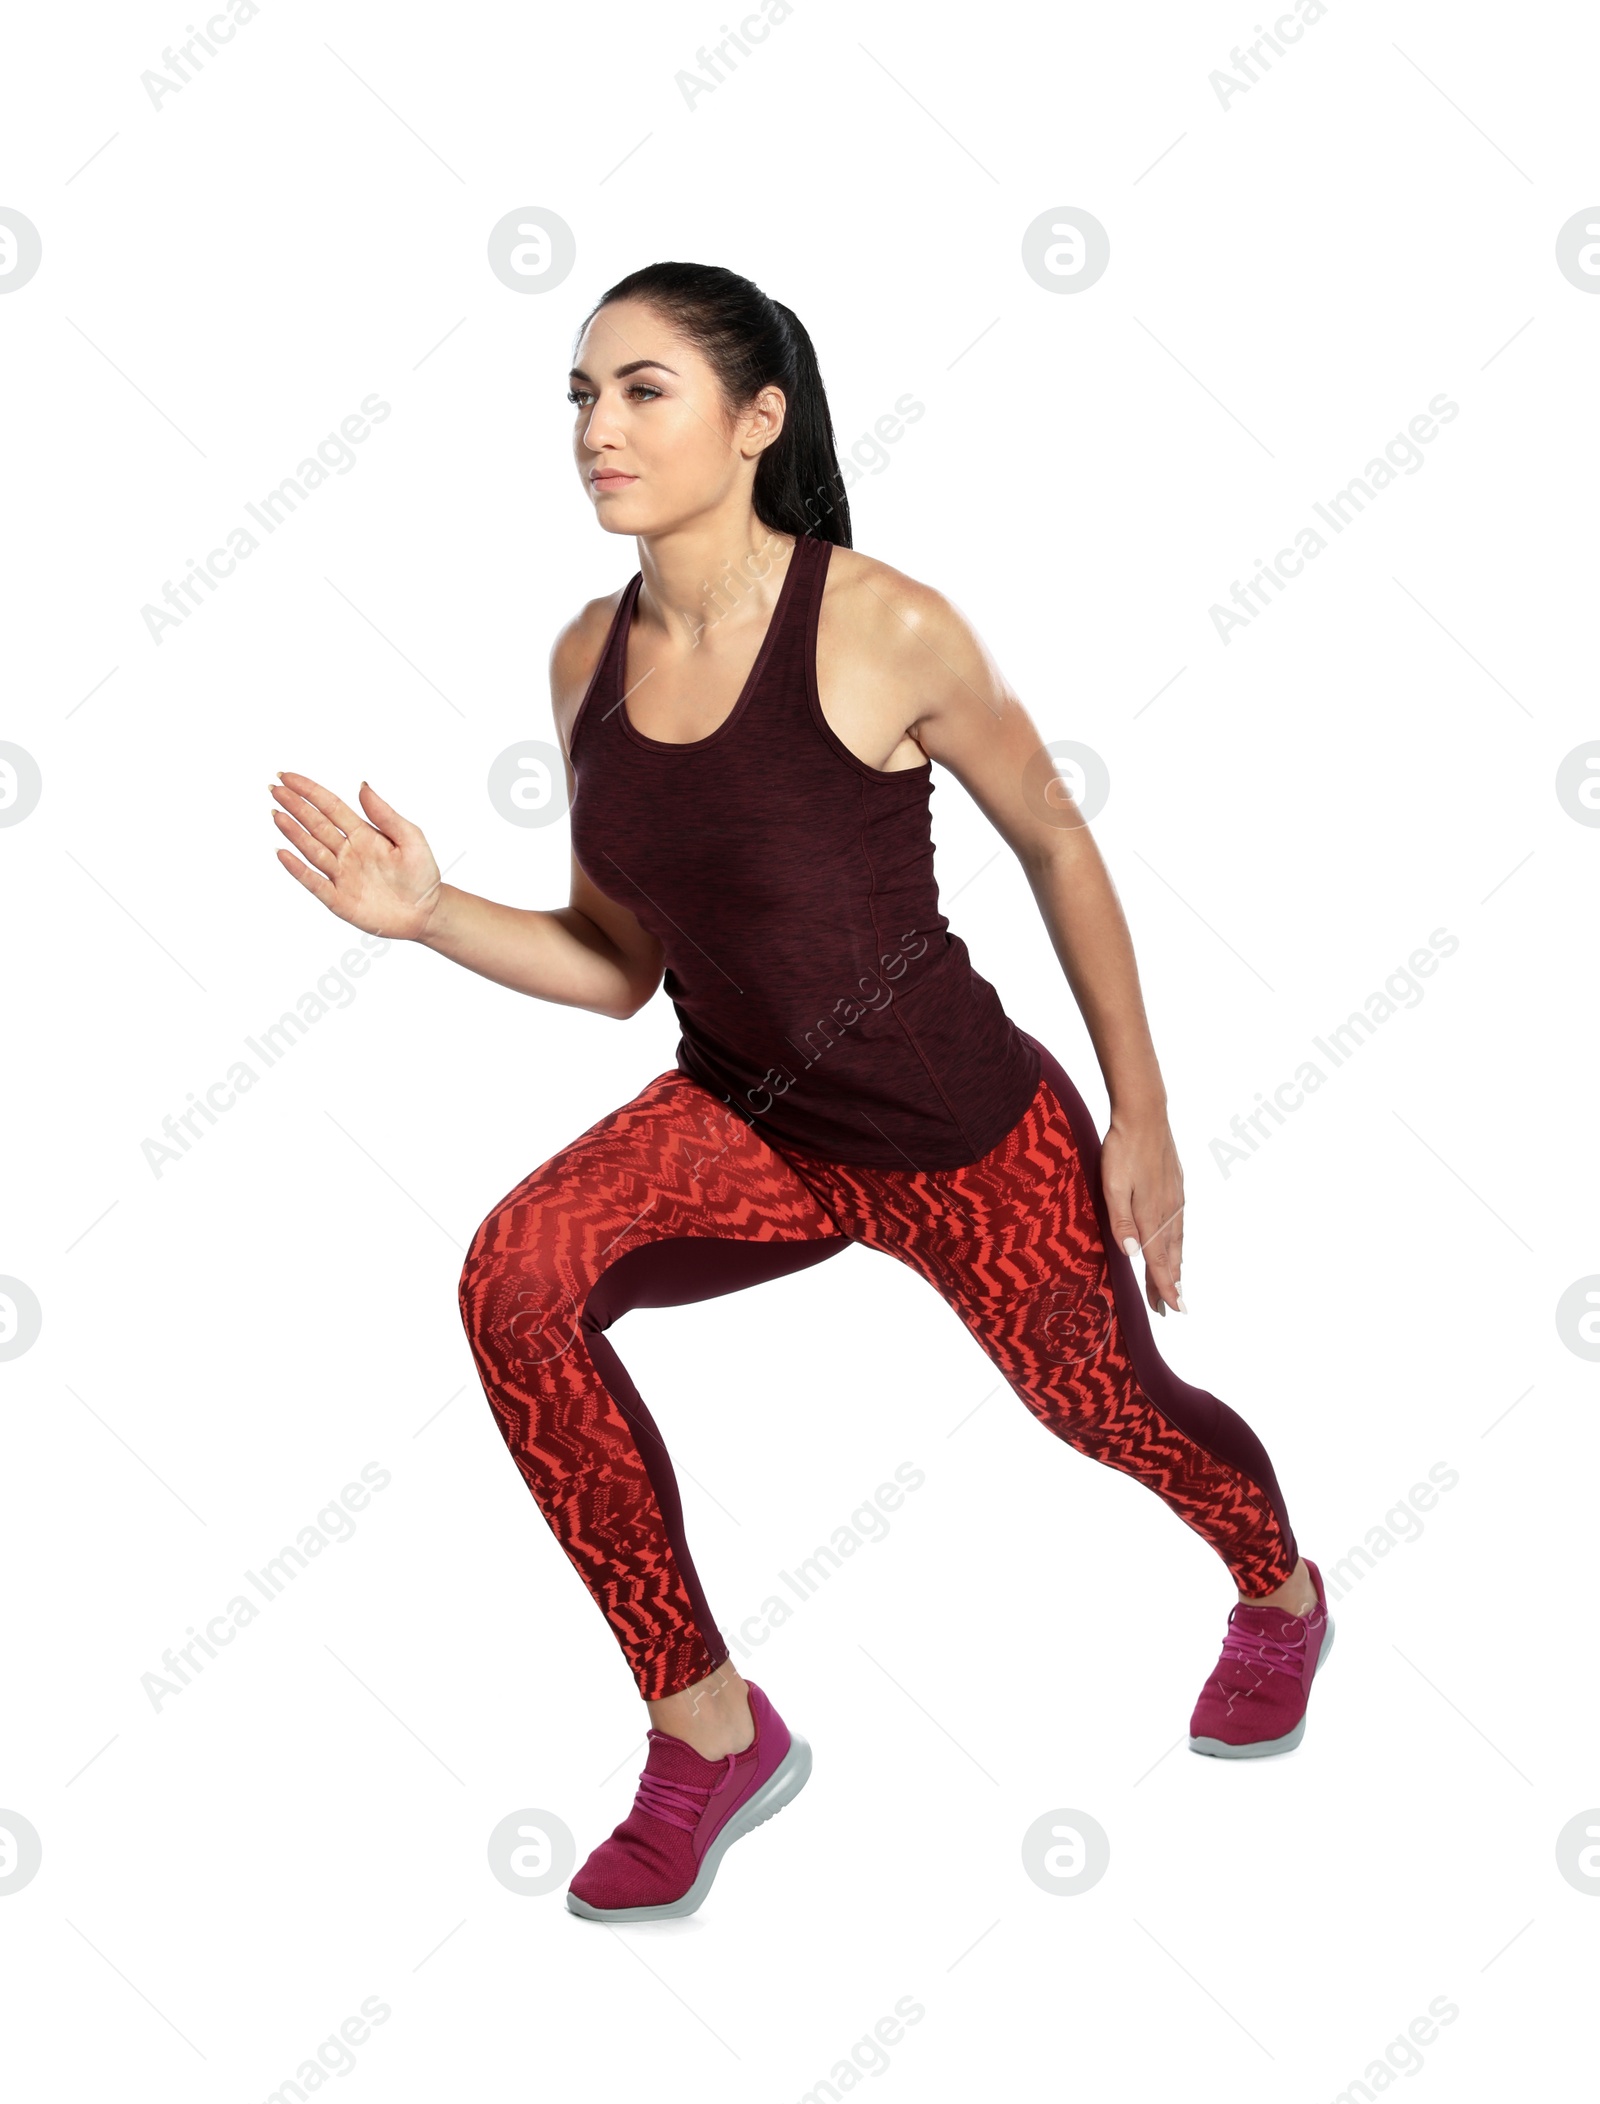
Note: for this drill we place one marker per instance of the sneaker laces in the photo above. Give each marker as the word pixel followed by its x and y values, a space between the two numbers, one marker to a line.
pixel 680 1804
pixel 1254 1647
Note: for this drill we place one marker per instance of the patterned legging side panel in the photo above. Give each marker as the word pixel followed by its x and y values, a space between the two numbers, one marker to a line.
pixel 673 1198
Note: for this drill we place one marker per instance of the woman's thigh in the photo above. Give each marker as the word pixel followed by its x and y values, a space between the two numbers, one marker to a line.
pixel 670 1198
pixel 1011 1241
pixel 1019 1244
pixel 669 1169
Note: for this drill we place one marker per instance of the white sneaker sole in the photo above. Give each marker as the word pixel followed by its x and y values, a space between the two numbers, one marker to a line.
pixel 785 1782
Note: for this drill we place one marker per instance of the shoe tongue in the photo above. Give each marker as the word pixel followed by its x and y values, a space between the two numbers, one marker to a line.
pixel 677 1760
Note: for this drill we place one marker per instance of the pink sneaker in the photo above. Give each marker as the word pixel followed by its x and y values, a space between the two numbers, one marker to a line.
pixel 688 1812
pixel 1255 1701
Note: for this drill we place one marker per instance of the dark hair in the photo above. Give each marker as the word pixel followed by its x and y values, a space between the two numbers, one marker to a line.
pixel 752 342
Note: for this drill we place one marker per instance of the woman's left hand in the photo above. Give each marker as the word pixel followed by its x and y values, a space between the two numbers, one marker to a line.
pixel 1143 1182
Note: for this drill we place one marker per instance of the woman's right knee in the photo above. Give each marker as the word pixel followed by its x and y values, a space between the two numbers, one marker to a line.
pixel 520 1303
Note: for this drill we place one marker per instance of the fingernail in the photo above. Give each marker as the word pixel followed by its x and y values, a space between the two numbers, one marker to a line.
pixel 1183 1307
pixel 1131 1248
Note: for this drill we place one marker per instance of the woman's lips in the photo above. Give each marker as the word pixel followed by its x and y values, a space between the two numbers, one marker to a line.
pixel 601 482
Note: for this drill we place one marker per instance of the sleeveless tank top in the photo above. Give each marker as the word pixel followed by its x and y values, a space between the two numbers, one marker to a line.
pixel 821 993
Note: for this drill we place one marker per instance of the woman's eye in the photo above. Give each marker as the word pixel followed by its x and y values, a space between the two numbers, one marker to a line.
pixel 579 398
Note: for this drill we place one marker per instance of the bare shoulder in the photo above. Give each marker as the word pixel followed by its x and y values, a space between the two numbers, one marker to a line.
pixel 875 599
pixel 899 628
pixel 576 653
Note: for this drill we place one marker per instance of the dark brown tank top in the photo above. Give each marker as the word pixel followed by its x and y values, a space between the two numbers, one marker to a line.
pixel 820 990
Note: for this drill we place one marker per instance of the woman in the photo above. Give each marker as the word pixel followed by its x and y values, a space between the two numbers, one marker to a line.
pixel 750 726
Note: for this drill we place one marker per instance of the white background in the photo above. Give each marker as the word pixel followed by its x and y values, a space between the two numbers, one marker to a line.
pixel 224 1345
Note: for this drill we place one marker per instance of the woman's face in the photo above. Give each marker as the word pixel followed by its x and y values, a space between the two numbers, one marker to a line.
pixel 655 446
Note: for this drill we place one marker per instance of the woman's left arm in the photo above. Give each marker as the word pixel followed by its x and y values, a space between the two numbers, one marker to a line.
pixel 970 720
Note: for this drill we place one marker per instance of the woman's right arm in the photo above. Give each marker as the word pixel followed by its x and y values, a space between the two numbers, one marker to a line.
pixel 579 955
pixel 374 869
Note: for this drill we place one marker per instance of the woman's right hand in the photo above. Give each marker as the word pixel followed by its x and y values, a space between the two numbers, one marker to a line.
pixel 377 872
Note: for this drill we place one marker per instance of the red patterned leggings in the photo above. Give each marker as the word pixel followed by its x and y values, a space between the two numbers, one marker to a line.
pixel 675 1198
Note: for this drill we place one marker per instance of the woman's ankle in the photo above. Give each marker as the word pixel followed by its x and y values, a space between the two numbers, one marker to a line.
pixel 1297 1594
pixel 713 1716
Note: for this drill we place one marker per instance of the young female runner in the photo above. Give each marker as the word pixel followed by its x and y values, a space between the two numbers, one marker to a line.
pixel 750 725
